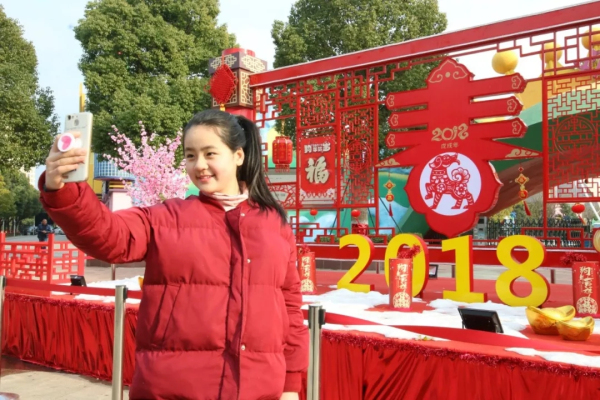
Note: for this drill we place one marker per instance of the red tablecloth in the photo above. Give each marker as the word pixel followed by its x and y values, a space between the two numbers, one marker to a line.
pixel 76 336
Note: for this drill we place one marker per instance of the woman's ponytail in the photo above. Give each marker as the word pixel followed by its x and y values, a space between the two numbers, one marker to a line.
pixel 252 171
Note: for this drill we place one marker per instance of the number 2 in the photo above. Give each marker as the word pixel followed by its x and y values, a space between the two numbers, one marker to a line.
pixel 365 256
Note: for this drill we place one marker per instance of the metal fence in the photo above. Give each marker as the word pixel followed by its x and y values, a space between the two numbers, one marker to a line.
pixel 566 232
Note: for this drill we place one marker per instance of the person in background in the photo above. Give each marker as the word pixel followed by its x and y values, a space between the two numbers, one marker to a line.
pixel 220 316
pixel 43 230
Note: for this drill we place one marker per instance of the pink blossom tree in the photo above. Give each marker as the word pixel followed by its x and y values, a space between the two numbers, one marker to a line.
pixel 153 164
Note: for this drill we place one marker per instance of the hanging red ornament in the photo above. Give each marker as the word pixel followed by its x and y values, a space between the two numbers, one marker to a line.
pixel 523 194
pixel 578 208
pixel 389 185
pixel 355 213
pixel 314 212
pixel 222 84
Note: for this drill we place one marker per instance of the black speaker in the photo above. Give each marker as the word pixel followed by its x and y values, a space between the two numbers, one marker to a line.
pixel 78 280
pixel 480 320
pixel 433 270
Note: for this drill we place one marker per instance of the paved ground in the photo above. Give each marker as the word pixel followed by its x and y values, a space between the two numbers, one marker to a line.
pixel 33 382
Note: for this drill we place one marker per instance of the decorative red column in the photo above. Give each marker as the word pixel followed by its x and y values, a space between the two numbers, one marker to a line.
pixel 586 288
pixel 401 283
pixel 242 63
pixel 401 272
pixel 308 270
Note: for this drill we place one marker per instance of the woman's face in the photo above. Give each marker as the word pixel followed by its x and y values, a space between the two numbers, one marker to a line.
pixel 211 165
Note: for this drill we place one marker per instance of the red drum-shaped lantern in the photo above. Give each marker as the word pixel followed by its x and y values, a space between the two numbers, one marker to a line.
pixel 282 153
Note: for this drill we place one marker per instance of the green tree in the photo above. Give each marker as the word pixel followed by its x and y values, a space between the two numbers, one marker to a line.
pixel 499 216
pixel 567 211
pixel 147 60
pixel 7 201
pixel 324 28
pixel 25 197
pixel 27 119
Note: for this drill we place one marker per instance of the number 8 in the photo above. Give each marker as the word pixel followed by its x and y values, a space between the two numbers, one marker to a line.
pixel 535 256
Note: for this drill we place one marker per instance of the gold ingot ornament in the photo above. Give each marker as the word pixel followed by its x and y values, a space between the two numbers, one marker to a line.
pixel 543 321
pixel 577 330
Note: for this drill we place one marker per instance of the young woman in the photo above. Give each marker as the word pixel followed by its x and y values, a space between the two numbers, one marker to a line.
pixel 220 316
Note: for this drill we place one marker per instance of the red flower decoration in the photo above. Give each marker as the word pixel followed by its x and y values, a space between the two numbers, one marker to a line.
pixel 569 258
pixel 303 249
pixel 409 252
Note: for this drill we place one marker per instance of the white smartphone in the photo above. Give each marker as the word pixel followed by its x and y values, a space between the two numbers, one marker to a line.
pixel 82 123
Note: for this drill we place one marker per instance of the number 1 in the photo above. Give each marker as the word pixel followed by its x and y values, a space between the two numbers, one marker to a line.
pixel 463 247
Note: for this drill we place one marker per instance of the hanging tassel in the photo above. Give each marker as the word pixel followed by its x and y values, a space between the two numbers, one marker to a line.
pixel 391 213
pixel 526 209
pixel 522 180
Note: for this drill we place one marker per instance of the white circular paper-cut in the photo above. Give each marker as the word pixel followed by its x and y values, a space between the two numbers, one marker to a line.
pixel 452 181
pixel 67 142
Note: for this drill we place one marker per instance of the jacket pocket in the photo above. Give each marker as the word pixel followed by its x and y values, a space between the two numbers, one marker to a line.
pixel 165 313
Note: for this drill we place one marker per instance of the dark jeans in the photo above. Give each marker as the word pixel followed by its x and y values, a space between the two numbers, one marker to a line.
pixel 43 239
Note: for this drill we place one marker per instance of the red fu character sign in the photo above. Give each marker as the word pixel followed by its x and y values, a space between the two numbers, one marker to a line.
pixel 317 170
pixel 452 181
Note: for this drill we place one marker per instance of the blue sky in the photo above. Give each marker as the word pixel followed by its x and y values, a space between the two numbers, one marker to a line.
pixel 48 25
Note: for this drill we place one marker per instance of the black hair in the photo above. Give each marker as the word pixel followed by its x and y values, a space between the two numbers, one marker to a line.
pixel 237 131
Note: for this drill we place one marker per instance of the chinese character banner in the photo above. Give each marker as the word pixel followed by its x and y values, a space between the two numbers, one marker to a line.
pixel 317 170
pixel 586 288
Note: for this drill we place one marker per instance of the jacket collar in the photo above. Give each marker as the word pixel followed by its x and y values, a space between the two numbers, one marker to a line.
pixel 214 204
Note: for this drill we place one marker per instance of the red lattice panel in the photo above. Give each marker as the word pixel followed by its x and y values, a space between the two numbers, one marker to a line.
pixel 264 149
pixel 35 261
pixel 287 189
pixel 573 121
pixel 358 128
pixel 352 83
pixel 317 110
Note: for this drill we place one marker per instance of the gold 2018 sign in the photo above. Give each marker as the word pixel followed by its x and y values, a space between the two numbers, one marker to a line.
pixel 463 248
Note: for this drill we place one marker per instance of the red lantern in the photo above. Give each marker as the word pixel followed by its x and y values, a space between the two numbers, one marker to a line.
pixel 282 153
pixel 355 213
pixel 578 208
pixel 314 212
pixel 389 197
